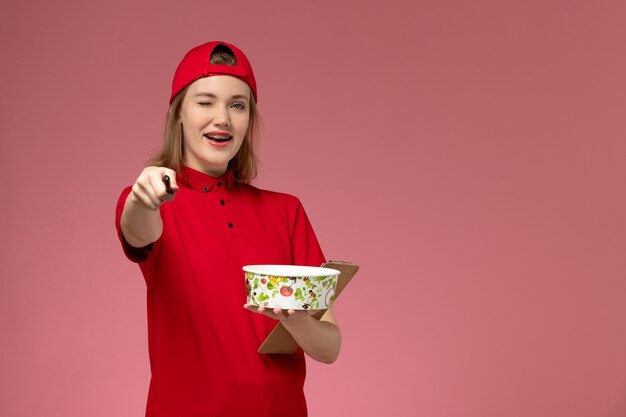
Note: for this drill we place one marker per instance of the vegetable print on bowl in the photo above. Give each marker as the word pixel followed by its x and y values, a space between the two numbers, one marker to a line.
pixel 291 286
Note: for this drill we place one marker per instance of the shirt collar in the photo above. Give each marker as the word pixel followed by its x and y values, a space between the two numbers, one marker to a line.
pixel 204 183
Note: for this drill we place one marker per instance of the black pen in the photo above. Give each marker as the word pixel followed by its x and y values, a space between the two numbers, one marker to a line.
pixel 168 188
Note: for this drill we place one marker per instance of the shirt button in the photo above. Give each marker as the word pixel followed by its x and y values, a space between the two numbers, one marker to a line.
pixel 230 225
pixel 219 184
pixel 222 202
pixel 206 189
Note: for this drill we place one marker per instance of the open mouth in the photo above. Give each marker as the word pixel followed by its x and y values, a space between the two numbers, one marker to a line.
pixel 218 138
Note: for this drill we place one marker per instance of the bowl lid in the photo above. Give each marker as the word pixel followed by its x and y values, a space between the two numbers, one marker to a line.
pixel 291 270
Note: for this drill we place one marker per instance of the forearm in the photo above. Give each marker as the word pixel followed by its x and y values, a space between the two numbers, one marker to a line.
pixel 321 340
pixel 140 226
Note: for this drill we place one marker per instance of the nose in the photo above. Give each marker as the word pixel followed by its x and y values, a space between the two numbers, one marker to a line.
pixel 222 116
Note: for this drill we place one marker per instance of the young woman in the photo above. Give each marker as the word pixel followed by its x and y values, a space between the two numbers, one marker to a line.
pixel 192 236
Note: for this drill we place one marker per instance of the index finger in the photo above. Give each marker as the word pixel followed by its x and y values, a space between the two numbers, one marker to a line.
pixel 169 178
pixel 168 181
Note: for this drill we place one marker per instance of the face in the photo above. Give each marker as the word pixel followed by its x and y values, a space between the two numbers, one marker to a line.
pixel 214 114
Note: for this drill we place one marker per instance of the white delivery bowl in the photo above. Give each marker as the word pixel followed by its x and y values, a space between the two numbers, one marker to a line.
pixel 291 286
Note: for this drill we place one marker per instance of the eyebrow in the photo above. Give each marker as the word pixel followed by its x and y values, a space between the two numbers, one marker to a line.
pixel 236 96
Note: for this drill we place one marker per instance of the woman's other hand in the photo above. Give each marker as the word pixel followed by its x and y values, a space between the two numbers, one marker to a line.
pixel 278 313
pixel 320 339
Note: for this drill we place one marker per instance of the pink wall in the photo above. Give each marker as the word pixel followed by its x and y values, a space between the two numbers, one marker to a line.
pixel 470 156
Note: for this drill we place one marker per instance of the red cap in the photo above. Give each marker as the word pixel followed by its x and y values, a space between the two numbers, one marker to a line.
pixel 195 65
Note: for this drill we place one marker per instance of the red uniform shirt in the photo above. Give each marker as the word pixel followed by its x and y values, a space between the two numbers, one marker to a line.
pixel 202 342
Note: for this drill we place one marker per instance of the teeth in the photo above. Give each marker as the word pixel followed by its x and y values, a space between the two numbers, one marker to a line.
pixel 218 137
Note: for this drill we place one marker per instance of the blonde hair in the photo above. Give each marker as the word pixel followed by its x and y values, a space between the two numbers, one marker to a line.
pixel 172 154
